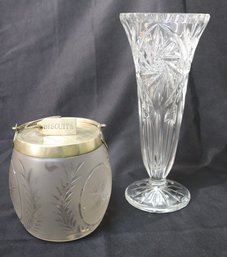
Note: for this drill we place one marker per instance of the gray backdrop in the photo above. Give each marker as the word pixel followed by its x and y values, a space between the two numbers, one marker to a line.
pixel 72 58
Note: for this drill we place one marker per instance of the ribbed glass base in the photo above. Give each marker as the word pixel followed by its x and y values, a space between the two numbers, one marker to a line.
pixel 158 196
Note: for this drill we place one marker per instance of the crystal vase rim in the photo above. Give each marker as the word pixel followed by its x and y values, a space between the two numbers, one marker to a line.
pixel 161 13
pixel 168 16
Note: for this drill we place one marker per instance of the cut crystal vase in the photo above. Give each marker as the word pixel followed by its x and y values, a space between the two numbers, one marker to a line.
pixel 163 46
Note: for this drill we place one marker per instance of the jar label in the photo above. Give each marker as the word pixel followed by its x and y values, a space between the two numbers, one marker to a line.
pixel 58 126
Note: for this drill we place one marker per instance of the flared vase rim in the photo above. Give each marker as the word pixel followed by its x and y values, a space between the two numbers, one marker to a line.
pixel 168 16
pixel 154 13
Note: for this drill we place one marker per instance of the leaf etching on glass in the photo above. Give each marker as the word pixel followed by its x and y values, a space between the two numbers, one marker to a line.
pixel 15 190
pixel 63 197
pixel 31 216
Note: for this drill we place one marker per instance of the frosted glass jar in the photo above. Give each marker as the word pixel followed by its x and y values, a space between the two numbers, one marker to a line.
pixel 60 185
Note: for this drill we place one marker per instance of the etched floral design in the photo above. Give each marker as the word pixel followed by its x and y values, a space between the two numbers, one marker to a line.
pixel 31 215
pixel 63 197
pixel 15 190
pixel 95 195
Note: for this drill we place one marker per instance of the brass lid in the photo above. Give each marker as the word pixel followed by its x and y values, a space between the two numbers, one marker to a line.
pixel 58 141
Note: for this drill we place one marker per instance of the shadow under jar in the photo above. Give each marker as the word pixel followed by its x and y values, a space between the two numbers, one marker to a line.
pixel 60 183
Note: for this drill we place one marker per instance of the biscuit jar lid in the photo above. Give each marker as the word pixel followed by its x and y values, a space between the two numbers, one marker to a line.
pixel 58 137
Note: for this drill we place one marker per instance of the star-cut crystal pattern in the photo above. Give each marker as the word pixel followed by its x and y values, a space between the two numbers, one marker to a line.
pixel 163 47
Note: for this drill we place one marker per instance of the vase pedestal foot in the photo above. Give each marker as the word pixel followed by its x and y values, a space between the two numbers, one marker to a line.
pixel 157 196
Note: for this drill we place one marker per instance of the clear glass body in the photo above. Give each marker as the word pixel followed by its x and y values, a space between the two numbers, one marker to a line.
pixel 163 46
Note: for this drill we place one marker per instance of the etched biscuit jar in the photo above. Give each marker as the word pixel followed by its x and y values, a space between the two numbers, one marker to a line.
pixel 60 177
